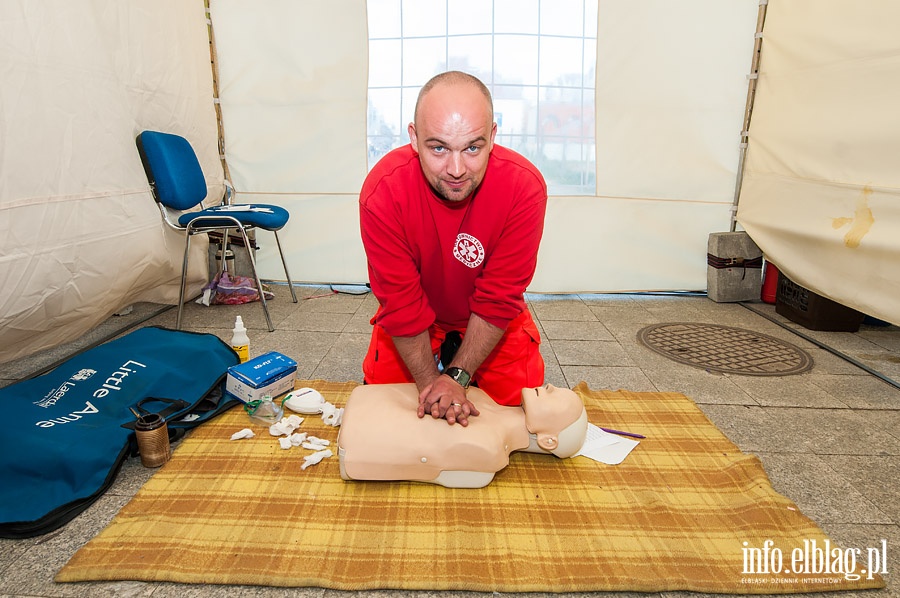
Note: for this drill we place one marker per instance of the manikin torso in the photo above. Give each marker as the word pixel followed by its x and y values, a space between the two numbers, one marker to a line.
pixel 382 438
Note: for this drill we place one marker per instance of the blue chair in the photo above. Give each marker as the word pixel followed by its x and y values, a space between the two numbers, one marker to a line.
pixel 177 183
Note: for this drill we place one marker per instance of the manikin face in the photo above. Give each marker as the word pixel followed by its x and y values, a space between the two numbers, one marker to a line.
pixel 453 136
pixel 548 392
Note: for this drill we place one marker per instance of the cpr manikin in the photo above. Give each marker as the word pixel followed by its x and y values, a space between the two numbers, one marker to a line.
pixel 382 438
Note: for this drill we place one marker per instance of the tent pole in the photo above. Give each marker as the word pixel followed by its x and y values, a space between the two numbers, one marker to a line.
pixel 214 65
pixel 753 77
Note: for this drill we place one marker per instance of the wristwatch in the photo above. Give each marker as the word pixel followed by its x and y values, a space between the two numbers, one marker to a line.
pixel 461 376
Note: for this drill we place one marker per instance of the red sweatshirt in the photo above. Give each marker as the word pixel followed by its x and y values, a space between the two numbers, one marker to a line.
pixel 431 260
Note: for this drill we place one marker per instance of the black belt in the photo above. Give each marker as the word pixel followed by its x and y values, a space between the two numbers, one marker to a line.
pixel 733 262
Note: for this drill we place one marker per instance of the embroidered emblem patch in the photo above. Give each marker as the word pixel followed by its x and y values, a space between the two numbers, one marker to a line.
pixel 468 250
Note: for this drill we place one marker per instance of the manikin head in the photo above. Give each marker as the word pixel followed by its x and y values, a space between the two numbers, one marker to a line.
pixel 556 417
pixel 453 133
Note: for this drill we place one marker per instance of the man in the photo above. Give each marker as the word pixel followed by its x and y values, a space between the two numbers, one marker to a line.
pixel 451 226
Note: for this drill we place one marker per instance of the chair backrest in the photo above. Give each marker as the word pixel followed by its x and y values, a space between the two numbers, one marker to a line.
pixel 172 169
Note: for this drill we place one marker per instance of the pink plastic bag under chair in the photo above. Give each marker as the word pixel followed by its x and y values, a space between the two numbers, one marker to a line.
pixel 226 289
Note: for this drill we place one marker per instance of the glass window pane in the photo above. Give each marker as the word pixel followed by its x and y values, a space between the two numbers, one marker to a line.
pixel 590 19
pixel 589 71
pixel 384 18
pixel 562 17
pixel 538 58
pixel 516 16
pixel 472 54
pixel 410 95
pixel 561 112
pixel 560 62
pixel 384 112
pixel 424 18
pixel 515 57
pixel 469 16
pixel 423 59
pixel 527 145
pixel 384 63
pixel 515 110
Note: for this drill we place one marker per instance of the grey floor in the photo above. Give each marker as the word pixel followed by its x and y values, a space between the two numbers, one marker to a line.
pixel 829 438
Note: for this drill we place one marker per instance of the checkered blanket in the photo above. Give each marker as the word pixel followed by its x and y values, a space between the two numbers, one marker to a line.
pixel 686 510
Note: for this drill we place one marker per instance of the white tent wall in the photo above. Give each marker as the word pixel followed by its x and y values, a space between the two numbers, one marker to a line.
pixel 821 183
pixel 292 80
pixel 670 94
pixel 80 235
pixel 671 90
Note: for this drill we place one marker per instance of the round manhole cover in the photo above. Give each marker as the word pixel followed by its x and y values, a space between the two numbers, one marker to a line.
pixel 725 349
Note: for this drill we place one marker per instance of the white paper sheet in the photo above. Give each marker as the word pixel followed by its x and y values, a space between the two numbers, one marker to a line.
pixel 605 447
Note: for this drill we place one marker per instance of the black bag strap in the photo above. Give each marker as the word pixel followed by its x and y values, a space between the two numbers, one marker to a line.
pixel 175 406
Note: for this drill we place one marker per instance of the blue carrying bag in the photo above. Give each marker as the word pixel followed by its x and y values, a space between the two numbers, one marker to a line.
pixel 66 433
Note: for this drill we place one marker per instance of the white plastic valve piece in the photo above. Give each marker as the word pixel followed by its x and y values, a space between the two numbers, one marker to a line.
pixel 307 401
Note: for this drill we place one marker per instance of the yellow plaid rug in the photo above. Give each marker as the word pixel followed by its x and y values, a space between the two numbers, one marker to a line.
pixel 686 510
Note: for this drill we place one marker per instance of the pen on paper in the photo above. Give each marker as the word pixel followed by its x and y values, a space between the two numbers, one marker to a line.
pixel 621 433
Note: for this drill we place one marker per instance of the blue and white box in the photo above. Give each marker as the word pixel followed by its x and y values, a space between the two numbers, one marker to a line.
pixel 269 374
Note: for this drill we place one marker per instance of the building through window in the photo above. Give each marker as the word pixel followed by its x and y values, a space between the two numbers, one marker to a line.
pixel 538 58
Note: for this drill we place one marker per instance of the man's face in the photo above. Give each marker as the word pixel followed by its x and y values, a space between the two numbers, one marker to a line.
pixel 453 136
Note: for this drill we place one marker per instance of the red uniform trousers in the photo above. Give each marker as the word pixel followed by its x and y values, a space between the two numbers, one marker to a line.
pixel 514 364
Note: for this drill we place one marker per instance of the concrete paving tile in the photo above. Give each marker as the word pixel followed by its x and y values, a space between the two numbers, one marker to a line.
pixel 571 309
pixel 361 322
pixel 180 590
pixel 825 362
pixel 600 353
pixel 753 429
pixel 131 477
pixel 196 315
pixel 626 333
pixel 821 493
pixel 862 391
pixel 875 538
pixel 565 330
pixel 306 348
pixel 607 299
pixel 316 322
pixel 333 302
pixel 845 342
pixel 618 317
pixel 700 385
pixel 688 300
pixel 608 378
pixel 33 572
pixel 863 536
pixel 787 391
pixel 343 362
pixel 11 552
pixel 553 374
pixel 838 431
pixel 886 364
pixel 742 318
pixel 872 475
pixel 887 338
pixel 888 421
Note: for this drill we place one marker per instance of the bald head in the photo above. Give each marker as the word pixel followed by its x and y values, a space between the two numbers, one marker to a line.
pixel 455 79
pixel 453 133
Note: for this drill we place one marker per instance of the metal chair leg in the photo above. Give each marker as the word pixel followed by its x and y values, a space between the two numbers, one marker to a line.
pixel 184 265
pixel 224 265
pixel 259 287
pixel 284 263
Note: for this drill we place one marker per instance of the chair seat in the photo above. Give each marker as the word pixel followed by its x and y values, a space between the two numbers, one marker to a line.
pixel 264 216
